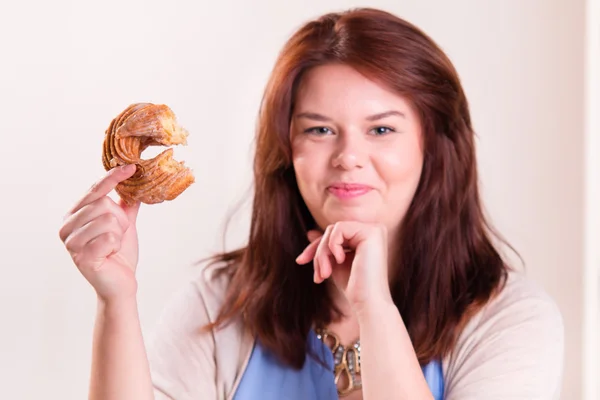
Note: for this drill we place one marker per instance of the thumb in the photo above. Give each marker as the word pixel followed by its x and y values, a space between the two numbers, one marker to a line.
pixel 130 210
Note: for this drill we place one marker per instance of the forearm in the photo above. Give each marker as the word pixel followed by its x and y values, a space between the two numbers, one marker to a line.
pixel 389 365
pixel 120 369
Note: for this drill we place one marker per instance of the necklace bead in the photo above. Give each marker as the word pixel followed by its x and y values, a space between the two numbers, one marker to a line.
pixel 346 361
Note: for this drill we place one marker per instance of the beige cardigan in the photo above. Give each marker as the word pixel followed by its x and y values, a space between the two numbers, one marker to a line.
pixel 511 349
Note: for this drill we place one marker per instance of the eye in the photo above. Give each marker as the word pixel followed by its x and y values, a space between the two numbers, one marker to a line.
pixel 382 130
pixel 318 130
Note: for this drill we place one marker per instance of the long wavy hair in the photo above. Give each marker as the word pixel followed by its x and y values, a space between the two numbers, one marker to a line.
pixel 448 264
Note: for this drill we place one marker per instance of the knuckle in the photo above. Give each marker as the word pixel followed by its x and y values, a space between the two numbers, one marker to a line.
pixel 333 237
pixel 113 241
pixel 108 240
pixel 105 202
pixel 78 259
pixel 107 219
pixel 62 233
pixel 95 187
pixel 323 242
pixel 338 227
pixel 330 230
pixel 111 238
pixel 70 243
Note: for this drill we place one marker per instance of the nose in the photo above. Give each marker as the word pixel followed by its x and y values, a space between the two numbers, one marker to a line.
pixel 350 154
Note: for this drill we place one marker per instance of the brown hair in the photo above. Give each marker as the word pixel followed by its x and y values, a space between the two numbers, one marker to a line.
pixel 448 266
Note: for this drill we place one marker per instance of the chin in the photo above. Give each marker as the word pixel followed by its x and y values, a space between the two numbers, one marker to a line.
pixel 333 216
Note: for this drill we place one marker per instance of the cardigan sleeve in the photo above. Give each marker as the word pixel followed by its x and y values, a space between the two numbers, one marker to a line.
pixel 181 357
pixel 512 350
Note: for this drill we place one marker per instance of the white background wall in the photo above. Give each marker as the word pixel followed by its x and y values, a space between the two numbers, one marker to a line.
pixel 67 68
pixel 591 275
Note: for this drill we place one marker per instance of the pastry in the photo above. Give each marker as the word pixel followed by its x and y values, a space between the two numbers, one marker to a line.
pixel 157 179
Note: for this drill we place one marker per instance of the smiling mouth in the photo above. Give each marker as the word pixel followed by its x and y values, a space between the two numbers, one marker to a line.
pixel 348 190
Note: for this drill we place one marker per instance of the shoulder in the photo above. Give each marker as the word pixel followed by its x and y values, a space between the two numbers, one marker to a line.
pixel 187 361
pixel 198 302
pixel 519 300
pixel 512 348
pixel 210 285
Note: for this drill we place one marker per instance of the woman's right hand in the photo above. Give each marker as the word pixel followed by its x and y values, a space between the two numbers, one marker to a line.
pixel 101 236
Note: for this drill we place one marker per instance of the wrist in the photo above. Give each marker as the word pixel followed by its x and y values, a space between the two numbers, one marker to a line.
pixel 117 308
pixel 374 308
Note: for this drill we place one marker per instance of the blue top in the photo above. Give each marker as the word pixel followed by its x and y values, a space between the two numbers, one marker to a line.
pixel 266 378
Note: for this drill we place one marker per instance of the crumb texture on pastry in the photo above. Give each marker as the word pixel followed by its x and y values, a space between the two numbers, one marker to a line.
pixel 157 179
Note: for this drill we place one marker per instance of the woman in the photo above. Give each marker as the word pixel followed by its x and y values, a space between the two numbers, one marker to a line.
pixel 370 271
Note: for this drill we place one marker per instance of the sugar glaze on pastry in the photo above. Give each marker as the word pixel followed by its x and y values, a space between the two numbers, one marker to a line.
pixel 157 179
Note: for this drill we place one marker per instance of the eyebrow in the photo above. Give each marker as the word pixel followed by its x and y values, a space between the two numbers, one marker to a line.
pixel 322 118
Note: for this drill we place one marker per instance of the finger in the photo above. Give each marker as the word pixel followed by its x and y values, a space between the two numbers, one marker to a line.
pixel 313 235
pixel 105 223
pixel 316 275
pixel 336 242
pixel 323 266
pixel 98 249
pixel 90 212
pixel 105 185
pixel 131 211
pixel 308 254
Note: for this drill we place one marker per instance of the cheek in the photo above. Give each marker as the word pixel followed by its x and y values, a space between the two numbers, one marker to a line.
pixel 306 179
pixel 401 164
pixel 306 173
pixel 309 162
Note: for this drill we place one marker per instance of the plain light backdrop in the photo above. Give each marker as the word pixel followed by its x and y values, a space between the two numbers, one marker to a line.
pixel 67 68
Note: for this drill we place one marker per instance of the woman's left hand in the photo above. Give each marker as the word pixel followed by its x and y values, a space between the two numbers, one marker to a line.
pixel 355 255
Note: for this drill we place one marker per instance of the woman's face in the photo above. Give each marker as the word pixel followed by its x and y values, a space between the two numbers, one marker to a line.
pixel 356 146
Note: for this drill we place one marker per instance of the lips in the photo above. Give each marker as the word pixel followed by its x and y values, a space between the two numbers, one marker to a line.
pixel 344 190
pixel 349 186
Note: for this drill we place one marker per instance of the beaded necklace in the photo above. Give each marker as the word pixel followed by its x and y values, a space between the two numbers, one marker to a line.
pixel 346 361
